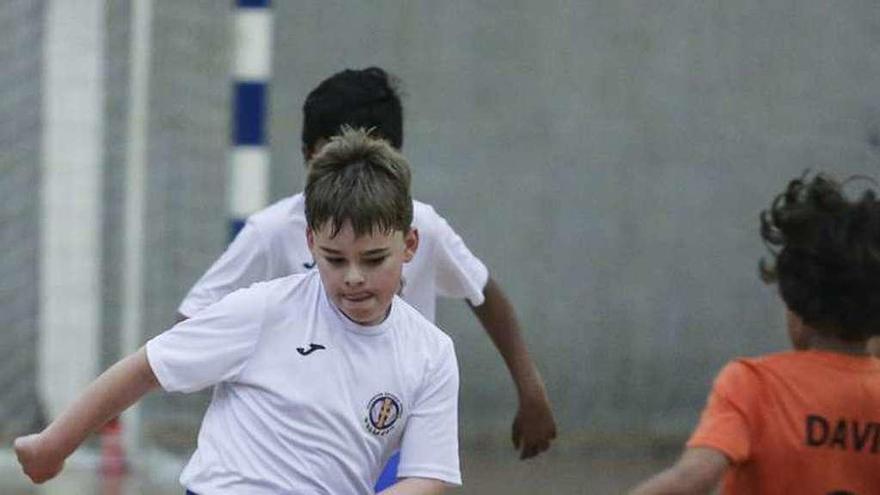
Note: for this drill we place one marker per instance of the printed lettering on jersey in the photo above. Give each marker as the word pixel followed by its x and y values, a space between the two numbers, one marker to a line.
pixel 383 411
pixel 842 434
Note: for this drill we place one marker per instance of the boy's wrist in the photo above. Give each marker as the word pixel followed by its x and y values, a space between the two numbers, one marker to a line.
pixel 35 447
pixel 52 442
pixel 530 387
pixel 533 398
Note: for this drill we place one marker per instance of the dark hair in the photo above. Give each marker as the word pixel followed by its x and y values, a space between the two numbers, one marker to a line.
pixel 366 98
pixel 361 180
pixel 826 251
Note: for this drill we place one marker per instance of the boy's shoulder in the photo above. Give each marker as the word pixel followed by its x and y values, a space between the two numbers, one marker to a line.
pixel 425 217
pixel 418 327
pixel 289 284
pixel 795 360
pixel 774 362
pixel 745 372
pixel 770 359
pixel 280 215
pixel 795 367
pixel 284 290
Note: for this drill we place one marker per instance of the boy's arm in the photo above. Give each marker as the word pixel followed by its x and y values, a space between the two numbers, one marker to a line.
pixel 698 471
pixel 415 486
pixel 534 427
pixel 42 455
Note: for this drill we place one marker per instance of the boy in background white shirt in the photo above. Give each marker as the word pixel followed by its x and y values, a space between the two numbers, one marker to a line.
pixel 273 244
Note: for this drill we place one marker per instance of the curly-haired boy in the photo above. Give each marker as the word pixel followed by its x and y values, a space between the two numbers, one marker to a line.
pixel 808 420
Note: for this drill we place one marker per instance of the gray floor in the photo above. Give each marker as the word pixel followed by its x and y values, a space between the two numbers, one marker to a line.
pixel 486 472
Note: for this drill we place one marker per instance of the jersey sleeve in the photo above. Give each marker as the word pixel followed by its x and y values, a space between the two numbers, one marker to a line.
pixel 458 273
pixel 429 448
pixel 212 347
pixel 727 423
pixel 244 262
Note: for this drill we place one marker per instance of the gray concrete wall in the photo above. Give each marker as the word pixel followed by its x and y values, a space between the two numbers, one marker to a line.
pixel 608 160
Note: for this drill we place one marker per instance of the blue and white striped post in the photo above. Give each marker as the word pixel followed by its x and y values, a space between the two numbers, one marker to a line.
pixel 249 161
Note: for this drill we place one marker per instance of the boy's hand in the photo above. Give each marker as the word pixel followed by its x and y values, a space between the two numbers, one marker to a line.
pixel 534 427
pixel 37 461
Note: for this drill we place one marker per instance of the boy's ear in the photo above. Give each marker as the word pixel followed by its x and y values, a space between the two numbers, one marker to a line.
pixel 410 244
pixel 799 334
pixel 310 238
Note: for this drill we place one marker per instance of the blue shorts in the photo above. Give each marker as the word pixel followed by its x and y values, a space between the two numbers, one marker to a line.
pixel 389 475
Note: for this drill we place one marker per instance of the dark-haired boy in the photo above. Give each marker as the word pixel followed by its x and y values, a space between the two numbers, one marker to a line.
pixel 808 420
pixel 273 244
pixel 317 377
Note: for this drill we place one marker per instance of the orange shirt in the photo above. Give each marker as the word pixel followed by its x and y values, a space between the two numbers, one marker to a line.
pixel 796 422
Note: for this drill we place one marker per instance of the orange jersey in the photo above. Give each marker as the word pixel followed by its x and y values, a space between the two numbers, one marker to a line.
pixel 796 422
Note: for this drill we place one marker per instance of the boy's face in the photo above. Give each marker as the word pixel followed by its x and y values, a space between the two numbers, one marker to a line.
pixel 361 274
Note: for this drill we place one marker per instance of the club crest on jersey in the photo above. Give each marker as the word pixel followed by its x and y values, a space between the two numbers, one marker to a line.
pixel 383 411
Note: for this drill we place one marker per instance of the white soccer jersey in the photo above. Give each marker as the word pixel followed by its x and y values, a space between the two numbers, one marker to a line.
pixel 307 401
pixel 273 244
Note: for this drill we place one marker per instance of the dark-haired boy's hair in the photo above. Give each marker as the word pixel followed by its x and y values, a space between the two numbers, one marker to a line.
pixel 366 98
pixel 360 180
pixel 826 251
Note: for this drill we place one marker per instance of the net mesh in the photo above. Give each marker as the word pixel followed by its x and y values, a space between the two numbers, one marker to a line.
pixel 188 143
pixel 20 57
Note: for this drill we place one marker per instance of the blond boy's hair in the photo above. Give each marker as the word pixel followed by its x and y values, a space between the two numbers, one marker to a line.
pixel 361 180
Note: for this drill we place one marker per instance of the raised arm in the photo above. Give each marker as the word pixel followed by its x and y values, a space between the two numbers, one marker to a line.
pixel 697 472
pixel 42 455
pixel 533 427
pixel 415 486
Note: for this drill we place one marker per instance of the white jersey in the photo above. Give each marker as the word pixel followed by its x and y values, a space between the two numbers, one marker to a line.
pixel 273 244
pixel 307 401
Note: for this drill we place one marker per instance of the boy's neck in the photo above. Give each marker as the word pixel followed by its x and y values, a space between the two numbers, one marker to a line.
pixel 387 313
pixel 831 344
